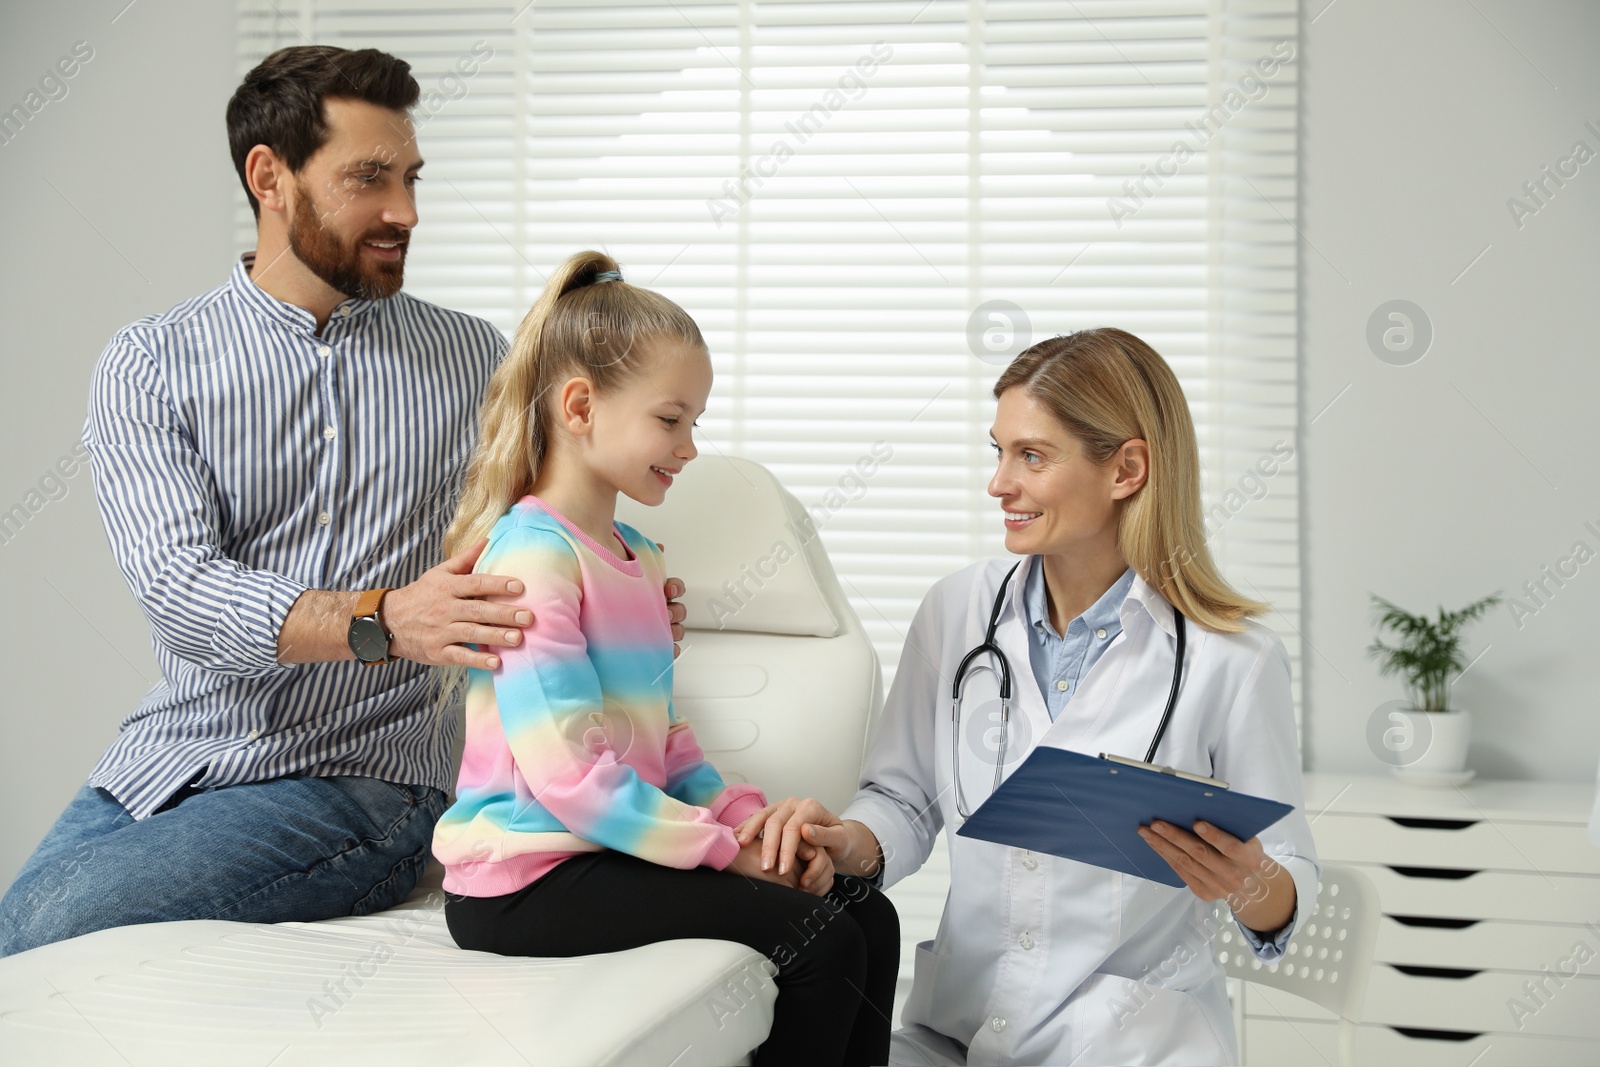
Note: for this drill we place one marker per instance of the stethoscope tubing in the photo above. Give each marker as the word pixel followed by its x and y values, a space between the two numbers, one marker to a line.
pixel 1004 674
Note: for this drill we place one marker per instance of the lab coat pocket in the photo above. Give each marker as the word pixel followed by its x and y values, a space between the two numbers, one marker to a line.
pixel 925 973
pixel 1120 1020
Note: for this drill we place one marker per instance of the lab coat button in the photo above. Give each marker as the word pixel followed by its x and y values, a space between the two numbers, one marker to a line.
pixel 997 1024
pixel 1030 863
pixel 1026 940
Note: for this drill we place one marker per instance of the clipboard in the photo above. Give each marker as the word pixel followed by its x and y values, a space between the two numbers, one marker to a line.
pixel 1089 809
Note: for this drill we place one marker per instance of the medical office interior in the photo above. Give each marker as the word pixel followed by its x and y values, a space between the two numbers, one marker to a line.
pixel 1362 232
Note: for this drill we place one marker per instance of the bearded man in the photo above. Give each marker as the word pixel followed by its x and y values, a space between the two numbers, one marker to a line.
pixel 275 463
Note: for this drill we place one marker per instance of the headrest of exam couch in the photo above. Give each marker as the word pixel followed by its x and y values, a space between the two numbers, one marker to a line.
pixel 749 555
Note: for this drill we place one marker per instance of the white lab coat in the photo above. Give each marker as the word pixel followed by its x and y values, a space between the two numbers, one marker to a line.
pixel 1041 960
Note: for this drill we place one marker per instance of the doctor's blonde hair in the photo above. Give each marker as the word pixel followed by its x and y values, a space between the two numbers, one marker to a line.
pixel 1106 386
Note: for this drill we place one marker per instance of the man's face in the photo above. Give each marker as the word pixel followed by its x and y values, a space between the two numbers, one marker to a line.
pixel 355 201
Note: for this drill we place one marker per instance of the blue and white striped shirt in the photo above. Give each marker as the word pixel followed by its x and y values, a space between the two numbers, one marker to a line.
pixel 240 459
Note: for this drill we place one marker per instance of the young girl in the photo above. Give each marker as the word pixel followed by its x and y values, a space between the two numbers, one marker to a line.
pixel 586 818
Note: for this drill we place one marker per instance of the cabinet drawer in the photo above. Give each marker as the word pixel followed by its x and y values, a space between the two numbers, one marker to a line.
pixel 1477 844
pixel 1277 1042
pixel 1476 1002
pixel 1496 946
pixel 1514 895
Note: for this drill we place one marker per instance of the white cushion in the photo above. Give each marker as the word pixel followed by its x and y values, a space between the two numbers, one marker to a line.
pixel 747 552
pixel 209 993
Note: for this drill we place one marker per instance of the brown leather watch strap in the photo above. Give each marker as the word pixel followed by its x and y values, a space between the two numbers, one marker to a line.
pixel 368 603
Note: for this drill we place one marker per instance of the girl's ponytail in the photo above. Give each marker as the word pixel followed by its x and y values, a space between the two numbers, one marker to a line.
pixel 512 434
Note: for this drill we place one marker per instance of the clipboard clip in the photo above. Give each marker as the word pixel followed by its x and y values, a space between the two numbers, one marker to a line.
pixel 1159 769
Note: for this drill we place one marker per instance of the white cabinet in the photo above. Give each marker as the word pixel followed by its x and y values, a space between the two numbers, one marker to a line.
pixel 1488 951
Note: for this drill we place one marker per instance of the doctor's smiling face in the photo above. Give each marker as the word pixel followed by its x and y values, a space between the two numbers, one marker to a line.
pixel 1056 500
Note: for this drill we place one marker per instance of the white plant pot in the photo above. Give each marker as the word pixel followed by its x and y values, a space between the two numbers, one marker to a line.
pixel 1442 738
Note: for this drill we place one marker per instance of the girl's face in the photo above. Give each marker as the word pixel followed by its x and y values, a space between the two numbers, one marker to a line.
pixel 1055 500
pixel 641 434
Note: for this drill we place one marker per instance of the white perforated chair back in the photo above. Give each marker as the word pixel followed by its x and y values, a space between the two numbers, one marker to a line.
pixel 777 674
pixel 1328 960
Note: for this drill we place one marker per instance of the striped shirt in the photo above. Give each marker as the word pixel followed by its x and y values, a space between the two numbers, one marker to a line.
pixel 240 459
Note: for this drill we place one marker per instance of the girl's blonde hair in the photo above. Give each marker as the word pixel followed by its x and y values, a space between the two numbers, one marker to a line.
pixel 1106 387
pixel 587 322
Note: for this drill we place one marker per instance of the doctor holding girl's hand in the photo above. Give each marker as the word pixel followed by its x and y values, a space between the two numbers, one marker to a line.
pixel 814 871
pixel 804 828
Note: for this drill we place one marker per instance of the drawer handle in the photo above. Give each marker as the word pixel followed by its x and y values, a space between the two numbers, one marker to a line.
pixel 1416 971
pixel 1435 921
pixel 1412 823
pixel 1436 1035
pixel 1449 873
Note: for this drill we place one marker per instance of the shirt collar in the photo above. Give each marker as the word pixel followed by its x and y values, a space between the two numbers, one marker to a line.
pixel 1143 597
pixel 1104 614
pixel 270 307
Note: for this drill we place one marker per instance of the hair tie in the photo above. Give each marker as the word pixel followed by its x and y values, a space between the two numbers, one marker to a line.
pixel 608 276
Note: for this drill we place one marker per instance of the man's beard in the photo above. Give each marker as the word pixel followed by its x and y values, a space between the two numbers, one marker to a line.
pixel 341 265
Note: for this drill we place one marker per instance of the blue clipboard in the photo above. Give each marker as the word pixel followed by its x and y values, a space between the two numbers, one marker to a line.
pixel 1089 809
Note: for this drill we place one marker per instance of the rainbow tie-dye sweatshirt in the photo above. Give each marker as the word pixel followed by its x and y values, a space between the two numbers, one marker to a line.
pixel 572 745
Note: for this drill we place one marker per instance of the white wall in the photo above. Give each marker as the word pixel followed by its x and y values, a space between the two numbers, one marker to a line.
pixel 1419 121
pixel 1468 471
pixel 115 202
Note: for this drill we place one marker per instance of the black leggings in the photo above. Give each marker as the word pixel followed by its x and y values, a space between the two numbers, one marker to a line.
pixel 837 955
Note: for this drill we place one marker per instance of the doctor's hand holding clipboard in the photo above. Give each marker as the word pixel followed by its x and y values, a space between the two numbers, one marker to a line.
pixel 1114 633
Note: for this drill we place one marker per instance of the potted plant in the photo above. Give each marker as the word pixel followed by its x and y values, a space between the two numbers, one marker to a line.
pixel 1427 654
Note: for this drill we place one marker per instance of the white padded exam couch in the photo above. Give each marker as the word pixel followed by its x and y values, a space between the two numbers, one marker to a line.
pixel 781 684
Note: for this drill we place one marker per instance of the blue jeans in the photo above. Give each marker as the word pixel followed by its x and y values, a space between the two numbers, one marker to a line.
pixel 291 849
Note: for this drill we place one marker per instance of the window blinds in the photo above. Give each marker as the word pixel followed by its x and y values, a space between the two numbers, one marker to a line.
pixel 868 206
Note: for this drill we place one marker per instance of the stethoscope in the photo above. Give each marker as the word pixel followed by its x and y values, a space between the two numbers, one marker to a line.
pixel 1004 674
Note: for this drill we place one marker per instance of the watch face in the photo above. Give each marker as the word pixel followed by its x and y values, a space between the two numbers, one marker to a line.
pixel 368 640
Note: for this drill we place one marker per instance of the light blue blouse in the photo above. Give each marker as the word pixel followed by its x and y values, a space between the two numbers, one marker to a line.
pixel 1061 660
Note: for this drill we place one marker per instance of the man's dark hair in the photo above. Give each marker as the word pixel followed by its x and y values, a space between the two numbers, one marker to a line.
pixel 279 104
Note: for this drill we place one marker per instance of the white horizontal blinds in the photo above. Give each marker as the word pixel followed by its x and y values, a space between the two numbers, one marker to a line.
pixel 464 253
pixel 834 188
pixel 1252 453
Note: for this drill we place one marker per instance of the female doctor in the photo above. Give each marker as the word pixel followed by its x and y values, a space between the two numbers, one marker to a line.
pixel 1039 959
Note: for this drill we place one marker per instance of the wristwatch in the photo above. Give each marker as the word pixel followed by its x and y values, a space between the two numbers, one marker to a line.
pixel 368 639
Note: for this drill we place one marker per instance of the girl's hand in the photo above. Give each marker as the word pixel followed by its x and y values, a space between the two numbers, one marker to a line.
pixel 778 826
pixel 676 612
pixel 1218 866
pixel 748 863
pixel 817 877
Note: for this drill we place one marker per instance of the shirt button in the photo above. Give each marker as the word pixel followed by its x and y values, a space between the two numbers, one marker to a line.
pixel 324 518
pixel 1026 940
pixel 997 1024
pixel 1100 633
pixel 329 432
pixel 1030 863
pixel 1061 687
pixel 324 351
pixel 253 734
